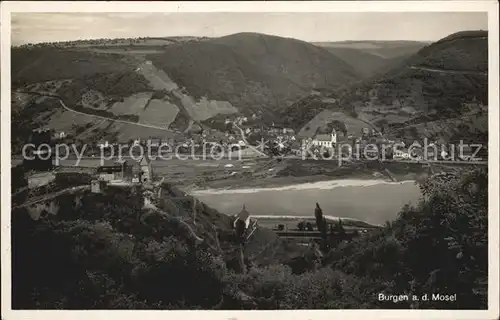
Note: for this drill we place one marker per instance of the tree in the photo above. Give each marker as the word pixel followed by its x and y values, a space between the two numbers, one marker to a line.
pixel 337 233
pixel 324 234
pixel 318 214
pixel 239 230
pixel 321 225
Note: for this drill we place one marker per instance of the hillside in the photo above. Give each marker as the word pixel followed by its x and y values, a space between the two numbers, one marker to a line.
pixel 444 81
pixel 253 71
pixel 170 88
pixel 167 85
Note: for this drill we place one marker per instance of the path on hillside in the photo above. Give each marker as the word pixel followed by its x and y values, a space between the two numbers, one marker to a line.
pixel 450 71
pixel 460 117
pixel 51 95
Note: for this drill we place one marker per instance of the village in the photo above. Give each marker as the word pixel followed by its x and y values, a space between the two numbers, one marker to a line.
pixel 237 137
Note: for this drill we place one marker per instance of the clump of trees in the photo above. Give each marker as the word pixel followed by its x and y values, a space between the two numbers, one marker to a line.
pixel 450 224
pixel 121 84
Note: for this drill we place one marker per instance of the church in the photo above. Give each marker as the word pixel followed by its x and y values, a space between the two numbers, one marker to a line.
pixel 325 140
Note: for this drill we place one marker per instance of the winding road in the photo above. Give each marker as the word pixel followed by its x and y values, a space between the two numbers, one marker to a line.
pixel 243 137
pixel 51 95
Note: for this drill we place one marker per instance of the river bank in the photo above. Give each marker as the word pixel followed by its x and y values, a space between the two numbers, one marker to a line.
pixel 317 185
pixel 271 174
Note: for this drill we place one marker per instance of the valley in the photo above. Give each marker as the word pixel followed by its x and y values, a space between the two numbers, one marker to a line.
pixel 157 96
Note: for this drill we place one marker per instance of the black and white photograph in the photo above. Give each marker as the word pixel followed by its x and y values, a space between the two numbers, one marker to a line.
pixel 218 157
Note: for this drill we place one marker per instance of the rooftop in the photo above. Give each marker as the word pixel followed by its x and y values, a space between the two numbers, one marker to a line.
pixel 323 137
pixel 111 163
pixel 244 214
pixel 145 160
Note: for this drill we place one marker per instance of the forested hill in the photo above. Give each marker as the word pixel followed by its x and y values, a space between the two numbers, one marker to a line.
pixel 253 70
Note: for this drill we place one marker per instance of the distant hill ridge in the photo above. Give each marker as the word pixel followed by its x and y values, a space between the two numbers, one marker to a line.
pixel 253 71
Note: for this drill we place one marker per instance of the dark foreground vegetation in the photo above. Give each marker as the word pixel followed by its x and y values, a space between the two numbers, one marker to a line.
pixel 105 251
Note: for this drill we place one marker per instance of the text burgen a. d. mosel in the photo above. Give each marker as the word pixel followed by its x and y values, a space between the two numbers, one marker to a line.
pixel 425 297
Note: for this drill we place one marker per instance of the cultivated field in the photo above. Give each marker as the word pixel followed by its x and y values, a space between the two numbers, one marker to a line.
pixel 131 105
pixel 205 109
pixel 158 79
pixel 159 113
pixel 64 120
pixel 197 110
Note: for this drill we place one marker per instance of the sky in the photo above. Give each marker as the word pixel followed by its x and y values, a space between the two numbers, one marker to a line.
pixel 419 26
